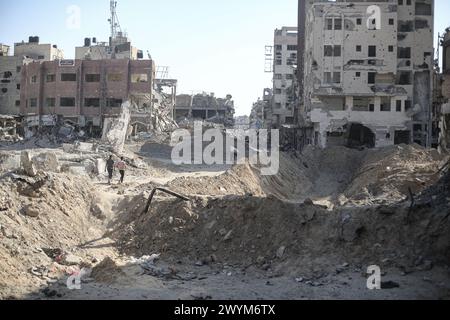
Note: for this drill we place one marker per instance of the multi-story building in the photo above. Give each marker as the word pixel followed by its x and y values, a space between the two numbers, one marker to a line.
pixel 11 67
pixel 81 91
pixel 285 63
pixel 368 72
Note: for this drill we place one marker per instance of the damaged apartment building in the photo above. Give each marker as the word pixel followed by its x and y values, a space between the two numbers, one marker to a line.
pixel 205 107
pixel 284 70
pixel 81 92
pixel 368 72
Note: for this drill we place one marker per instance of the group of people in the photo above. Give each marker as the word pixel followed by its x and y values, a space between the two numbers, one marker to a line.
pixel 111 165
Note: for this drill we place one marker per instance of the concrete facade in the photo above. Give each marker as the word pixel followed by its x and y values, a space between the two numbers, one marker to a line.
pixel 285 63
pixel 11 67
pixel 82 91
pixel 10 82
pixel 368 69
pixel 38 51
pixel 443 81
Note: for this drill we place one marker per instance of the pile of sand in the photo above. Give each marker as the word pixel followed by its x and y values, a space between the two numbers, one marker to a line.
pixel 106 271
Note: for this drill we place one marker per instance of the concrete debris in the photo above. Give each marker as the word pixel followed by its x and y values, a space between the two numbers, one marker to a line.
pixel 115 130
pixel 146 260
pixel 47 162
pixel 32 211
pixel 27 164
pixel 71 260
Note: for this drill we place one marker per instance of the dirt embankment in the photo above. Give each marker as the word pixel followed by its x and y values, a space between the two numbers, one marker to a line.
pixel 249 231
pixel 338 175
pixel 40 219
pixel 265 221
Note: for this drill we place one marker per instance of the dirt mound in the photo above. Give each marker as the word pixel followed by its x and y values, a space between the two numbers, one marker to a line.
pixel 240 180
pixel 248 231
pixel 106 271
pixel 38 215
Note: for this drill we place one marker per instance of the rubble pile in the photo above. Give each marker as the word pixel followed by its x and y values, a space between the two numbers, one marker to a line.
pixel 162 113
pixel 270 233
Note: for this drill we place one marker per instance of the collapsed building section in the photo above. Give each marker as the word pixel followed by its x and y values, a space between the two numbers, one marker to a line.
pixel 261 110
pixel 368 70
pixel 205 107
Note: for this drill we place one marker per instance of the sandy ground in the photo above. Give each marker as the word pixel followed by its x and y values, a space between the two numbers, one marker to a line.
pixel 216 283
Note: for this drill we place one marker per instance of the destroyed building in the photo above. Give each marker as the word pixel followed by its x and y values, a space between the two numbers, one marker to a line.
pixel 81 92
pixel 443 94
pixel 367 72
pixel 261 110
pixel 205 107
pixel 285 64
pixel 11 69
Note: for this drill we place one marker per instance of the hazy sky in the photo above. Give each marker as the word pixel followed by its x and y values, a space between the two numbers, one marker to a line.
pixel 209 45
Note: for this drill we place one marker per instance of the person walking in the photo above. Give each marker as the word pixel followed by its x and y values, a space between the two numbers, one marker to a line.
pixel 110 168
pixel 121 166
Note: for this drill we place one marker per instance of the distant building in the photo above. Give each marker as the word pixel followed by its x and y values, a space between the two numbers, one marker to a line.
pixel 261 110
pixel 285 64
pixel 80 91
pixel 11 67
pixel 242 123
pixel 205 107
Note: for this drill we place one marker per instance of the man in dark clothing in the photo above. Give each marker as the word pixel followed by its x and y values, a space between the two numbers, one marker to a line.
pixel 110 168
